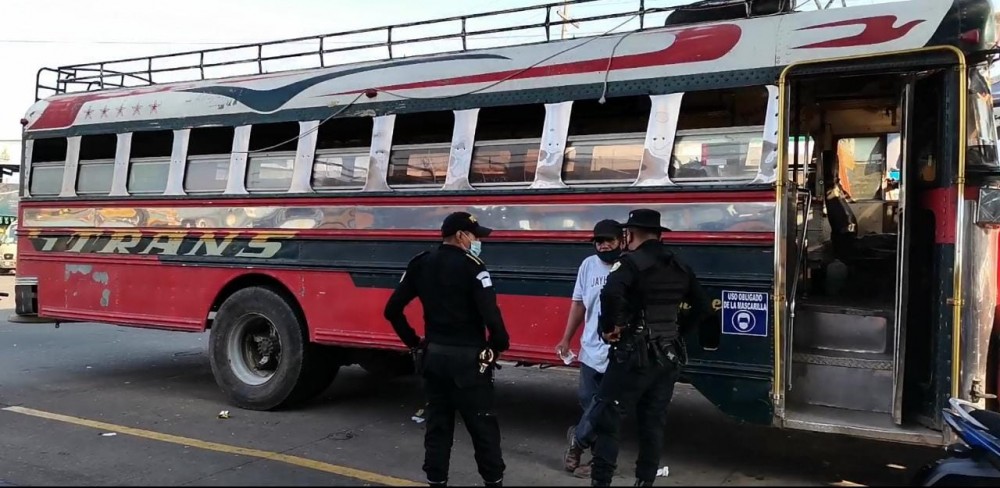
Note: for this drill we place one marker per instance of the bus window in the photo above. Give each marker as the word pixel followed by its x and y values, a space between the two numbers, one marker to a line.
pixel 342 154
pixel 270 173
pixel 981 152
pixel 863 167
pixel 209 150
pixel 149 162
pixel 421 149
pixel 340 171
pixel 48 162
pixel 606 141
pixel 272 157
pixel 720 136
pixel 97 164
pixel 507 145
pixel 732 155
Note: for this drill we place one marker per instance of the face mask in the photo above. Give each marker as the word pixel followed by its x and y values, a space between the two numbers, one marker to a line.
pixel 609 256
pixel 475 248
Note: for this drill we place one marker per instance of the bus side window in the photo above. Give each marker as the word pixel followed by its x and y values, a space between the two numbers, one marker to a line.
pixel 272 157
pixel 421 149
pixel 507 145
pixel 149 162
pixel 209 151
pixel 97 164
pixel 720 136
pixel 342 154
pixel 48 162
pixel 606 141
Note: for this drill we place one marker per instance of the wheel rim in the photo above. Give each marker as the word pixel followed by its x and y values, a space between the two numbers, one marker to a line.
pixel 254 349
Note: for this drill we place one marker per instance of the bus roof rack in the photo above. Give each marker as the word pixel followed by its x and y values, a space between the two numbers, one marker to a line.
pixel 251 59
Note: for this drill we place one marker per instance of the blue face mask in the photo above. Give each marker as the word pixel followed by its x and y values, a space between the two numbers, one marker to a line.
pixel 475 248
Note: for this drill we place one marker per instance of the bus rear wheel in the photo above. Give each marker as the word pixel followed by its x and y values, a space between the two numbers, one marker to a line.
pixel 260 352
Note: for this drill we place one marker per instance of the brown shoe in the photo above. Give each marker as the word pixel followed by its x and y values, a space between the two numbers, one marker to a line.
pixel 572 459
pixel 583 471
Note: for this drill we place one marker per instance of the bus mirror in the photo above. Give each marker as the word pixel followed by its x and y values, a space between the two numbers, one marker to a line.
pixel 988 209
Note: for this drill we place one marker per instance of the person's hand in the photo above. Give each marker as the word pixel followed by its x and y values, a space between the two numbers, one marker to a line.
pixel 613 336
pixel 563 348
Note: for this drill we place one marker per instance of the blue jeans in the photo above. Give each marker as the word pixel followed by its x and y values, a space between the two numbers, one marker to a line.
pixel 590 381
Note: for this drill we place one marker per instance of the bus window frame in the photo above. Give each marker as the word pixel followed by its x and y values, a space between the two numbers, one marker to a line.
pixel 415 147
pixel 285 155
pixel 620 139
pixel 202 158
pixel 709 182
pixel 535 142
pixel 148 161
pixel 46 165
pixel 357 152
pixel 90 163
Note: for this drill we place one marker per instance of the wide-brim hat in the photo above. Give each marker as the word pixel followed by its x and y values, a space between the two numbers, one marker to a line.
pixel 645 218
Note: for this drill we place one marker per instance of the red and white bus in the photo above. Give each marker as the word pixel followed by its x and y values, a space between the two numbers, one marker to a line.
pixel 279 209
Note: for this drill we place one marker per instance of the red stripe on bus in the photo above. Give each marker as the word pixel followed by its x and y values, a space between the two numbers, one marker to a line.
pixel 690 45
pixel 430 234
pixel 760 196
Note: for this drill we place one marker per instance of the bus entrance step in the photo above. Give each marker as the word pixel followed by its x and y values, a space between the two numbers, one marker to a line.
pixel 857 381
pixel 842 329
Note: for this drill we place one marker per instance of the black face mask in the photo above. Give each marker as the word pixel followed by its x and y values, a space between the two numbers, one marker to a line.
pixel 609 256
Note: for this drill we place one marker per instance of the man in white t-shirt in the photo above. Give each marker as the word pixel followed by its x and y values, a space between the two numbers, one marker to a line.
pixel 586 308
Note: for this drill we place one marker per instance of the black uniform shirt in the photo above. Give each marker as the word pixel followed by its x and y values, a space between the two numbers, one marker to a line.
pixel 458 299
pixel 621 296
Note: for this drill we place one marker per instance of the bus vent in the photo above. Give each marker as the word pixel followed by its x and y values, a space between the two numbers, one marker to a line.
pixel 716 10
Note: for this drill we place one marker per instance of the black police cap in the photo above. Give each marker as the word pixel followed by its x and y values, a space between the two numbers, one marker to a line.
pixel 607 229
pixel 463 221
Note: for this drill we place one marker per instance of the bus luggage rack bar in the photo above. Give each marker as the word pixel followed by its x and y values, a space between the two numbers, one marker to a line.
pixel 117 73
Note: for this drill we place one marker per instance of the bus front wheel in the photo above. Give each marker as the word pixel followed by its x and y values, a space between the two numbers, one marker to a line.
pixel 260 352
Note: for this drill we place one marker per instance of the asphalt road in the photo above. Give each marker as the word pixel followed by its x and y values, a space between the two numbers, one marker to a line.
pixel 64 391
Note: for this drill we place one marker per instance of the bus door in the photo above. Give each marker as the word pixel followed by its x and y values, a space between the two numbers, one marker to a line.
pixel 850 258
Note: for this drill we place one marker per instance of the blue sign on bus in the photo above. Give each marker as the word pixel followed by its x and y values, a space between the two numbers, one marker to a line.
pixel 745 313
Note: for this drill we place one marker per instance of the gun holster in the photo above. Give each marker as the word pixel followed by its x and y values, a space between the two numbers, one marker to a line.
pixel 419 358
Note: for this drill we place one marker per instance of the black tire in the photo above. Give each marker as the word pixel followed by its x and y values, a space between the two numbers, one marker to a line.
pixel 250 321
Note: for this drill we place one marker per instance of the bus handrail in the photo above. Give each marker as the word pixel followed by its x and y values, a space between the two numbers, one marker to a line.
pixel 800 256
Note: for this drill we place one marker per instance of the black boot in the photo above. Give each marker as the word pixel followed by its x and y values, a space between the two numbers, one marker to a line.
pixel 497 484
pixel 599 483
pixel 436 484
pixel 643 483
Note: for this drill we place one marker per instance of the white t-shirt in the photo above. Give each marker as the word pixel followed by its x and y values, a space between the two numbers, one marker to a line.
pixel 590 280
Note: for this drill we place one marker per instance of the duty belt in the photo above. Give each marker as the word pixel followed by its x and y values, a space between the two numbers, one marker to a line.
pixel 449 349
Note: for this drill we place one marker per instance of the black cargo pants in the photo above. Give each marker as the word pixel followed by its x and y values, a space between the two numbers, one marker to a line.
pixel 453 383
pixel 626 387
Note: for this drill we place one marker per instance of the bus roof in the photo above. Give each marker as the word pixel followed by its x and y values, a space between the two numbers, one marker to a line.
pixel 678 57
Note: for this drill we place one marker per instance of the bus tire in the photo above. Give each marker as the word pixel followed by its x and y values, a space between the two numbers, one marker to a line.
pixel 260 352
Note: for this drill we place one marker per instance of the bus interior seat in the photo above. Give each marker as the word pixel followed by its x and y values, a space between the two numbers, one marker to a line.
pixel 848 246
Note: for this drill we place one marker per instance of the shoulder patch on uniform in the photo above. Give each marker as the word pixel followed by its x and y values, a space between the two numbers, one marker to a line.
pixel 484 278
pixel 475 259
pixel 412 261
pixel 618 264
pixel 418 256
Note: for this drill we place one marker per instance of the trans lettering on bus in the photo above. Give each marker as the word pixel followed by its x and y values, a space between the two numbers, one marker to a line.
pixel 231 244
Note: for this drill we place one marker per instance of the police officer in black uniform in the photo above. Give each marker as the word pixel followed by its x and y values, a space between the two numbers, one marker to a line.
pixel 456 358
pixel 639 318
